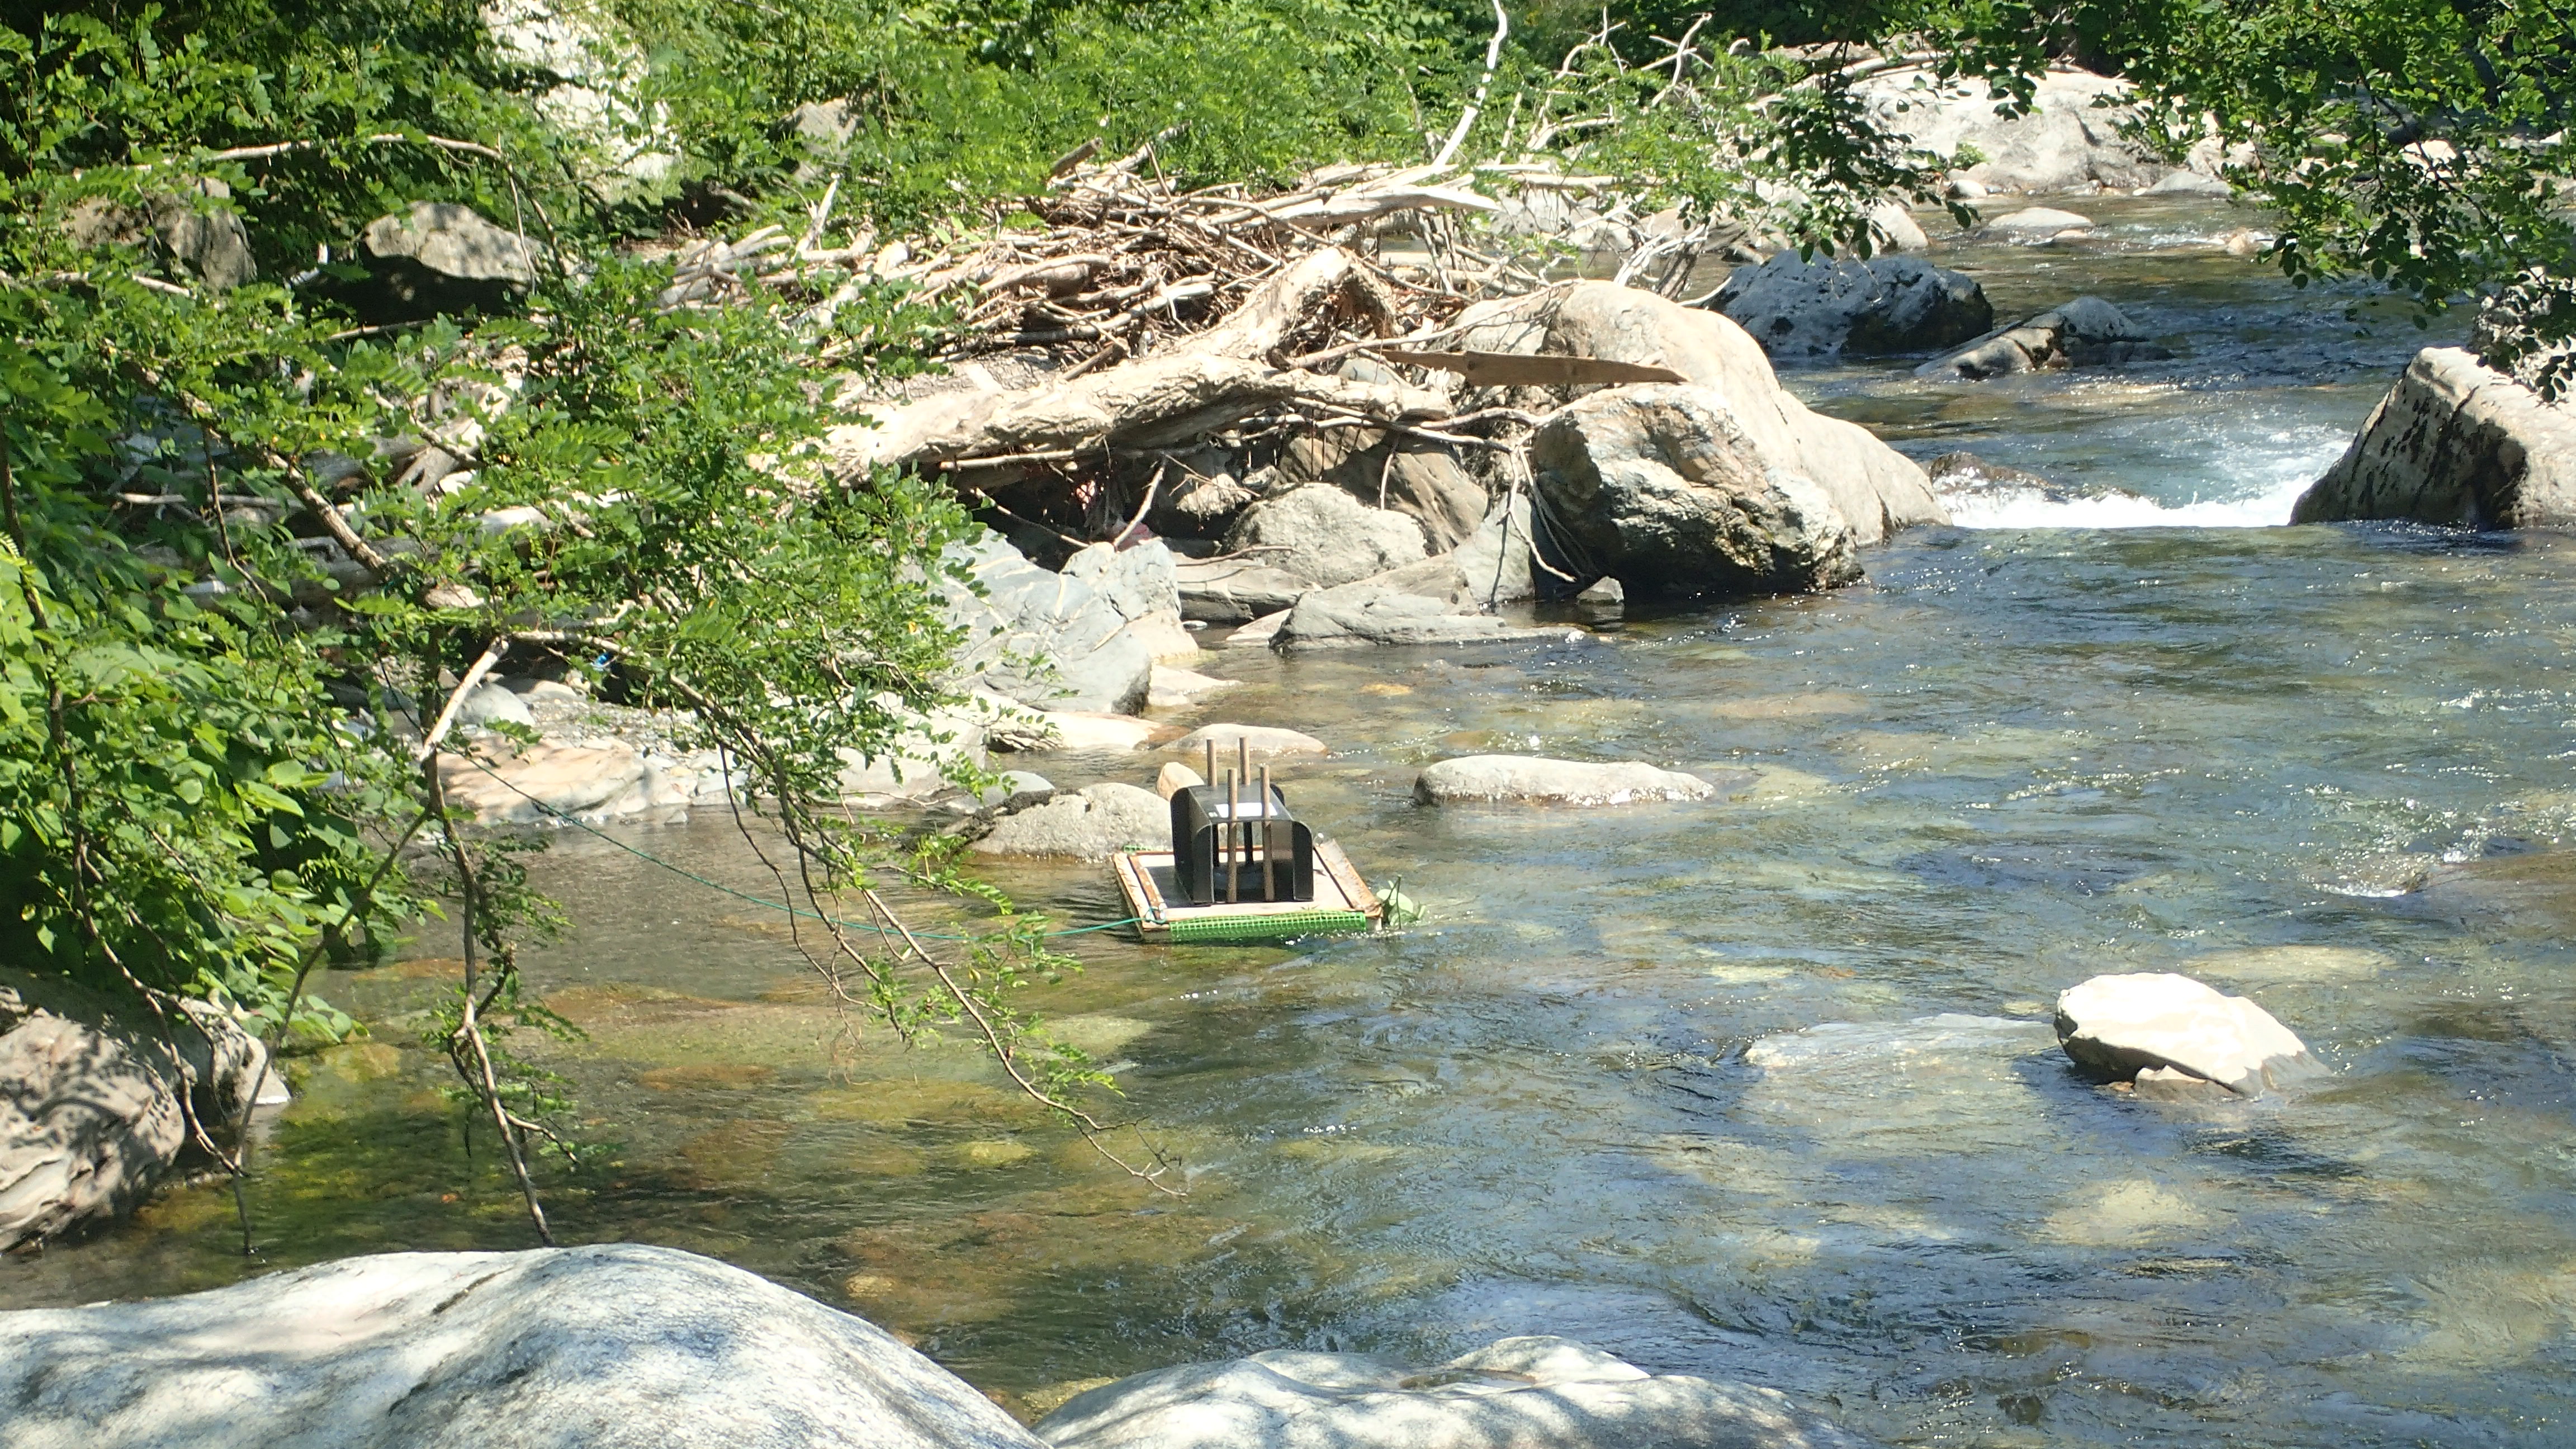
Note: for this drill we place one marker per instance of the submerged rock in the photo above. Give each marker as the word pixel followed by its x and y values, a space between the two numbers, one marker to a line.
pixel 1879 1046
pixel 1366 613
pixel 1659 486
pixel 556 1348
pixel 2454 442
pixel 1325 536
pixel 1967 473
pixel 1090 824
pixel 94 1107
pixel 1823 307
pixel 1516 1393
pixel 1262 741
pixel 1175 687
pixel 1532 780
pixel 2123 1026
pixel 2085 332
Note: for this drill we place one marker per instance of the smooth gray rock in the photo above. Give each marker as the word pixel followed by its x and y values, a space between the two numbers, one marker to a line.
pixel 201 231
pixel 1966 472
pixel 2085 332
pixel 1326 536
pixel 441 257
pixel 494 703
pixel 1091 824
pixel 1046 639
pixel 1017 790
pixel 1201 504
pixel 1807 309
pixel 1533 780
pixel 2454 442
pixel 1877 489
pixel 2068 141
pixel 1516 1393
pixel 1420 479
pixel 619 1346
pixel 1892 228
pixel 2117 1026
pixel 195 227
pixel 1137 581
pixel 1662 488
pixel 94 1105
pixel 2187 182
pixel 2036 221
pixel 1367 613
pixel 1236 591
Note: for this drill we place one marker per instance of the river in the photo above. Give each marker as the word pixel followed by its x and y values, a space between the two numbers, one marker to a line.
pixel 2131 728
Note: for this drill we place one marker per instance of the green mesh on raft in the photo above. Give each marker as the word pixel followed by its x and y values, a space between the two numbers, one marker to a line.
pixel 1267 928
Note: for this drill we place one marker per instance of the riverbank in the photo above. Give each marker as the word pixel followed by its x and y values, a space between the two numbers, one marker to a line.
pixel 2014 761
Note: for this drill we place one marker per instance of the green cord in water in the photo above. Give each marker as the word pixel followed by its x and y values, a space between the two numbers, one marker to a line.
pixel 762 901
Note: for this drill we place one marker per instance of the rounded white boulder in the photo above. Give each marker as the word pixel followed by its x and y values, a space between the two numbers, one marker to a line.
pixel 1531 780
pixel 2120 1027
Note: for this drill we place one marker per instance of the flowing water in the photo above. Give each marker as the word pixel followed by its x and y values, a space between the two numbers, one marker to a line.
pixel 2329 767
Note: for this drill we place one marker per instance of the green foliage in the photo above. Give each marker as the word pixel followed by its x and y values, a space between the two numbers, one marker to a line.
pixel 1265 89
pixel 2421 143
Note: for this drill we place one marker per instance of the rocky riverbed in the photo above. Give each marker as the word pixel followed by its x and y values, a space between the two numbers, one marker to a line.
pixel 1759 1086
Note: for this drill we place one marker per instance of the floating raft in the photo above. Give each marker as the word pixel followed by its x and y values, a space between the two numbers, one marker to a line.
pixel 1343 903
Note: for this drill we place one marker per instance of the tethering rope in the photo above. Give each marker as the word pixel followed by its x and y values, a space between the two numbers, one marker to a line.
pixel 763 901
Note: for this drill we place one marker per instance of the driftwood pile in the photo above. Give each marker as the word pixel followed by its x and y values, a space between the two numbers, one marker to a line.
pixel 1164 340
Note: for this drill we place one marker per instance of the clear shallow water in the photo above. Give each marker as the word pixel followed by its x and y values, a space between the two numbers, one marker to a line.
pixel 2335 769
pixel 2266 386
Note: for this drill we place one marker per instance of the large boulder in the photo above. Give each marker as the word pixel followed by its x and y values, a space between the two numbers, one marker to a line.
pixel 1659 486
pixel 438 257
pixel 1822 307
pixel 1325 536
pixel 95 1105
pixel 2121 1027
pixel 1422 480
pixel 553 782
pixel 1138 581
pixel 1091 824
pixel 1516 1393
pixel 561 1348
pixel 1875 488
pixel 194 226
pixel 2071 138
pixel 2036 223
pixel 1142 582
pixel 1531 780
pixel 1046 639
pixel 2086 332
pixel 2454 442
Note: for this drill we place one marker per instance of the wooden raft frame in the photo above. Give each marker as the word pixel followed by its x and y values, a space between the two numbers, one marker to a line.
pixel 1338 890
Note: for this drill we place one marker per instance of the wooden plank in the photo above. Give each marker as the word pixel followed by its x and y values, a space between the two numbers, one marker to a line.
pixel 1338 886
pixel 1346 877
